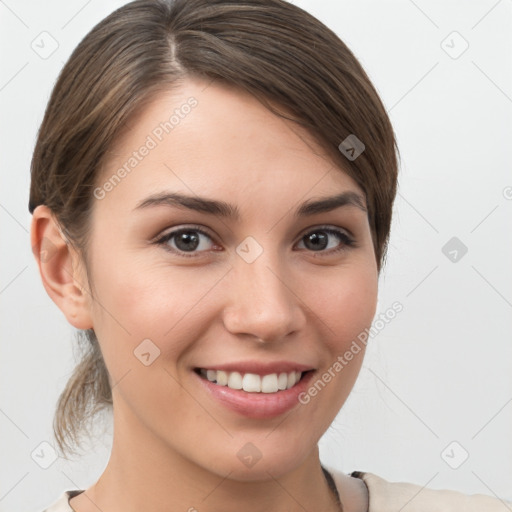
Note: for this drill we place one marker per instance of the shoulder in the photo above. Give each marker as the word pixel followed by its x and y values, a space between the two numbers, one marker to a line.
pixel 62 504
pixel 387 496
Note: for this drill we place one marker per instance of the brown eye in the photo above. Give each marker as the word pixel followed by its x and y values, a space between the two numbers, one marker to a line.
pixel 189 240
pixel 319 240
pixel 186 240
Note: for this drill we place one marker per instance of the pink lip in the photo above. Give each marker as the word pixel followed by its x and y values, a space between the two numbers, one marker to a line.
pixel 260 368
pixel 256 405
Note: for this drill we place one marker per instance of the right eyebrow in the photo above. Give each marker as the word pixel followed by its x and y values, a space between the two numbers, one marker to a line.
pixel 196 203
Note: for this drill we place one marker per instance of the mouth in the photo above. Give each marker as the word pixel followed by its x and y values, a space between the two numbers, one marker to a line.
pixel 256 389
pixel 251 382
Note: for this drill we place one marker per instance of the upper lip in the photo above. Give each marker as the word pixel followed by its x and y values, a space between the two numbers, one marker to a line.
pixel 259 367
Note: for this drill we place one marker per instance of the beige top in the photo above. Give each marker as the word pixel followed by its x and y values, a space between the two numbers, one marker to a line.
pixel 384 496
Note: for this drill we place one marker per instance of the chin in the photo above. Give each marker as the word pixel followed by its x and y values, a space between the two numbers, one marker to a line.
pixel 260 459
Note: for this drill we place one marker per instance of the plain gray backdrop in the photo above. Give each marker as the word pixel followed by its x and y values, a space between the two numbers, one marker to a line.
pixel 433 402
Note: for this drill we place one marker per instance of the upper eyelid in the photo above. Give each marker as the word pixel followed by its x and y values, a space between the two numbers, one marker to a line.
pixel 327 226
pixel 179 229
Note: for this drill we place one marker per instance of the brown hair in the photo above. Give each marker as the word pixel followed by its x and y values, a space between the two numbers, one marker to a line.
pixel 274 50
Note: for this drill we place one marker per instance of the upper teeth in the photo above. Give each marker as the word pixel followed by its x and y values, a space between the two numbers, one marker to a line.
pixel 251 382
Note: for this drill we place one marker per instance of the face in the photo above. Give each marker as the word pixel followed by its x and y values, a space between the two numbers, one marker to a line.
pixel 240 278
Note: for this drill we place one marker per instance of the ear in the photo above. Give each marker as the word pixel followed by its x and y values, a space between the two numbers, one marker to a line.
pixel 61 269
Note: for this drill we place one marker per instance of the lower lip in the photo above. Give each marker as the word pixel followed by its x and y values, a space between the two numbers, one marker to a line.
pixel 257 405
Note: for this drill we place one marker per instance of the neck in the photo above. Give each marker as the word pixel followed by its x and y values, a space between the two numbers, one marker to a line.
pixel 144 474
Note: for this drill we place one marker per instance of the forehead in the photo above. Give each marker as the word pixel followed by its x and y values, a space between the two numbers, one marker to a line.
pixel 213 139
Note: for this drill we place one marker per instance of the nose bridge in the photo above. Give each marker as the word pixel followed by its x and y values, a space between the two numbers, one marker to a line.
pixel 261 302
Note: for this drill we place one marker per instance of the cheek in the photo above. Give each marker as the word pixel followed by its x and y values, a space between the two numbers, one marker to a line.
pixel 145 323
pixel 345 303
pixel 142 300
pixel 346 307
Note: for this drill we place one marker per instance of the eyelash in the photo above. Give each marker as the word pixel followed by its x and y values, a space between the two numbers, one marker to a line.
pixel 347 241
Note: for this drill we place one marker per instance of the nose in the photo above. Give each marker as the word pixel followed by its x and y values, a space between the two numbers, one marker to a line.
pixel 262 302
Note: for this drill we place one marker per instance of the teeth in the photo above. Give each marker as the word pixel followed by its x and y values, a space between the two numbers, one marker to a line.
pixel 269 383
pixel 282 381
pixel 222 378
pixel 252 383
pixel 235 380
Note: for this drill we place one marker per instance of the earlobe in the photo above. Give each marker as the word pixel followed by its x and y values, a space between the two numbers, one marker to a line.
pixel 59 268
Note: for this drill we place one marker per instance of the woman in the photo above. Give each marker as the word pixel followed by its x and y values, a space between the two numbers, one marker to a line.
pixel 212 189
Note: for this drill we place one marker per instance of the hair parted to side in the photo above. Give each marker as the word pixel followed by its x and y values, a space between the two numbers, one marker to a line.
pixel 276 51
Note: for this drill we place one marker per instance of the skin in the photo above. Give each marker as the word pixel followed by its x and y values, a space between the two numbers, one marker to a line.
pixel 174 447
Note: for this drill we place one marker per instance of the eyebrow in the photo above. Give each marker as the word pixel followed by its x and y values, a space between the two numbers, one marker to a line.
pixel 226 210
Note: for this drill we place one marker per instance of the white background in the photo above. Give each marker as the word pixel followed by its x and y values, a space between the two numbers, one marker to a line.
pixel 441 371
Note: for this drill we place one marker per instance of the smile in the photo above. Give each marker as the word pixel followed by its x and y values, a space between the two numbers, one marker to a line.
pixel 251 382
pixel 256 389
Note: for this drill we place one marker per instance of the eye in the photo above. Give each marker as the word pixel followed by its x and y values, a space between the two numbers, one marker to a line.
pixel 190 241
pixel 318 240
pixel 185 240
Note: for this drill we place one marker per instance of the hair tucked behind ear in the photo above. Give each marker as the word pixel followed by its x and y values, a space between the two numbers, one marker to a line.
pixel 270 48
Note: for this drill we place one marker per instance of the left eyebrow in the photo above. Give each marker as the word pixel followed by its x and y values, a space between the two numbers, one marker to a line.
pixel 327 204
pixel 222 209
